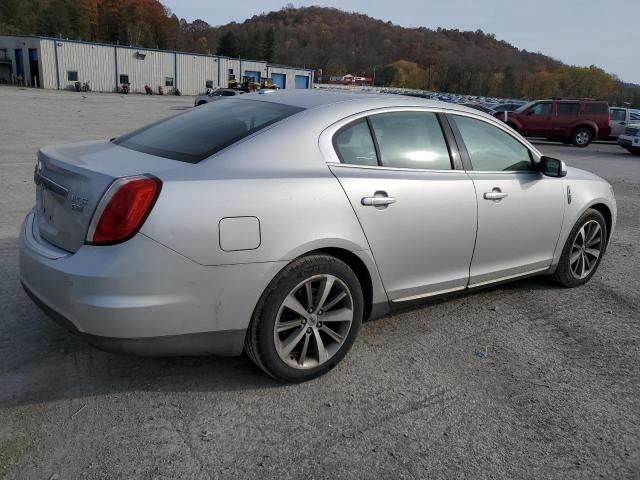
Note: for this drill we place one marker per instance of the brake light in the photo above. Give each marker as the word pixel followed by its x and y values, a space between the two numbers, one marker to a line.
pixel 123 209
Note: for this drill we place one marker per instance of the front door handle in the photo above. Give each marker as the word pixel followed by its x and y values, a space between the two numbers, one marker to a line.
pixel 496 194
pixel 378 201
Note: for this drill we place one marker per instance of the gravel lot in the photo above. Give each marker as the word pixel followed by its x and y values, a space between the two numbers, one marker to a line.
pixel 557 394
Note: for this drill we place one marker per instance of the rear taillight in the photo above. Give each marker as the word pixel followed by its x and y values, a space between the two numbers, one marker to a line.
pixel 123 209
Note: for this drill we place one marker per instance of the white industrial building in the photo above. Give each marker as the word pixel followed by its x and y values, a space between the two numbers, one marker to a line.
pixel 57 64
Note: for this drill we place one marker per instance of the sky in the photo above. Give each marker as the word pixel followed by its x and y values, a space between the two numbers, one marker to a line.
pixel 577 32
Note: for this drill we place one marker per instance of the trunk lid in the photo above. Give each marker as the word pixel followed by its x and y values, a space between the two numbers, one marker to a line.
pixel 71 180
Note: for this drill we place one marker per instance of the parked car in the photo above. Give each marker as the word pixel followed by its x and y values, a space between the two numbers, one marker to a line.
pixel 477 106
pixel 621 118
pixel 277 223
pixel 217 94
pixel 505 107
pixel 630 139
pixel 578 122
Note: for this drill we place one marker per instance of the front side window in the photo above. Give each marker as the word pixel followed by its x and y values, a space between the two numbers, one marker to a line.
pixel 354 144
pixel 72 76
pixel 411 140
pixel 618 115
pixel 540 109
pixel 568 109
pixel 201 132
pixel 490 148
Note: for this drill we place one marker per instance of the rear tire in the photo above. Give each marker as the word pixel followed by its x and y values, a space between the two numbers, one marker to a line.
pixel 578 262
pixel 634 151
pixel 306 320
pixel 581 137
pixel 201 102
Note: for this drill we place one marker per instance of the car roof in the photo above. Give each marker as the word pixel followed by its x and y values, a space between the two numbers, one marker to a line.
pixel 315 98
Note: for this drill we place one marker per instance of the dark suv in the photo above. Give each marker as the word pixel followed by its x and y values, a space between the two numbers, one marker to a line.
pixel 576 121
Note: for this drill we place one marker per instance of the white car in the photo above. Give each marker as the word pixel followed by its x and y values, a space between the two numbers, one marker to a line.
pixel 621 118
pixel 631 138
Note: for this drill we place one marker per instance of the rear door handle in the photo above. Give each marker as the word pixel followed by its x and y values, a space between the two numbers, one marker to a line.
pixel 378 201
pixel 495 195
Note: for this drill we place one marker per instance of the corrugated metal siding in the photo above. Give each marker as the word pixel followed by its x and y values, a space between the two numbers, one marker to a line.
pixel 94 63
pixel 194 71
pixel 150 70
pixel 48 64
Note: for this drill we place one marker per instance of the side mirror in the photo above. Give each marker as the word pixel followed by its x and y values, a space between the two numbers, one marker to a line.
pixel 552 167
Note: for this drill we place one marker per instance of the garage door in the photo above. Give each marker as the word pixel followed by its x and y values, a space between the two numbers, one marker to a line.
pixel 280 79
pixel 253 74
pixel 302 81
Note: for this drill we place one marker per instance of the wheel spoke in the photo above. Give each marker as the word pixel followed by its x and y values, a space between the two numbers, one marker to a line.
pixel 323 292
pixel 341 315
pixel 335 300
pixel 309 291
pixel 323 355
pixel 582 267
pixel 332 333
pixel 575 257
pixel 595 253
pixel 581 236
pixel 283 326
pixel 303 352
pixel 293 304
pixel 594 232
pixel 292 340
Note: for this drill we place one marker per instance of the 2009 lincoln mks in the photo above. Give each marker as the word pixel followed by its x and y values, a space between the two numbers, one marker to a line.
pixel 275 224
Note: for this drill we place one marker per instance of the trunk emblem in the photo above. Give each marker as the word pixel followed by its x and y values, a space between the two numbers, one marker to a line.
pixel 78 203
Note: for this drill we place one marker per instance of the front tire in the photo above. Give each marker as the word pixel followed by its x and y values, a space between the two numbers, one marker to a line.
pixel 306 320
pixel 583 250
pixel 634 151
pixel 581 137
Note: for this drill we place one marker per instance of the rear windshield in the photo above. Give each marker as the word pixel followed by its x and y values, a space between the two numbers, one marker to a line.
pixel 205 130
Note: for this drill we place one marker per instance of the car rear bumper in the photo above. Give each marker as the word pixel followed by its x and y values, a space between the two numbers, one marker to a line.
pixel 142 297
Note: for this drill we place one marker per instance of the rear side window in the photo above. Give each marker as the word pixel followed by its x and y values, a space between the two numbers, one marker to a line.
pixel 618 115
pixel 354 144
pixel 568 108
pixel 634 115
pixel 411 140
pixel 490 148
pixel 201 132
pixel 597 108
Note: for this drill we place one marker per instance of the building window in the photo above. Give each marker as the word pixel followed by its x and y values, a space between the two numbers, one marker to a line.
pixel 72 75
pixel 231 71
pixel 168 81
pixel 209 84
pixel 124 79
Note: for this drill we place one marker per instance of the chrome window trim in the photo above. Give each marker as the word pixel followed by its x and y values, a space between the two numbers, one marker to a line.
pixel 325 141
pixel 399 169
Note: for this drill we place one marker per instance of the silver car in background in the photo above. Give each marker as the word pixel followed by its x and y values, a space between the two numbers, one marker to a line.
pixel 212 95
pixel 275 224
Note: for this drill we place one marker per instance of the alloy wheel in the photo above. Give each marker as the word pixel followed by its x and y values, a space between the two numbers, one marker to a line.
pixel 586 249
pixel 582 138
pixel 313 322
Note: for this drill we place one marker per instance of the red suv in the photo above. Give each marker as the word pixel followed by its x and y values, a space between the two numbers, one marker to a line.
pixel 565 120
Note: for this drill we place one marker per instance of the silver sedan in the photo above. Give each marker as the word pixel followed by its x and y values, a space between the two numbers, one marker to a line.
pixel 275 224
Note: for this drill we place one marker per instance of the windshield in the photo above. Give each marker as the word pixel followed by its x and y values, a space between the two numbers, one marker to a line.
pixel 201 132
pixel 524 107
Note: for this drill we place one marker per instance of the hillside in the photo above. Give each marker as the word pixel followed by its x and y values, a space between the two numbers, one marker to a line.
pixel 329 39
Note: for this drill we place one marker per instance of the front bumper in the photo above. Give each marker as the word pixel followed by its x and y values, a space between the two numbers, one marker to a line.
pixel 142 297
pixel 628 141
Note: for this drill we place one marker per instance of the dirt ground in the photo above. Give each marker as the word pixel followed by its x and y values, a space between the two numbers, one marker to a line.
pixel 521 381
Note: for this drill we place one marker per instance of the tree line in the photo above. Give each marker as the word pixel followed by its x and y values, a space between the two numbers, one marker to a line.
pixel 331 40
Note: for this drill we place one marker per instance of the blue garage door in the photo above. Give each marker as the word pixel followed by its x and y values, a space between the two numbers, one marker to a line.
pixel 280 79
pixel 252 74
pixel 302 81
